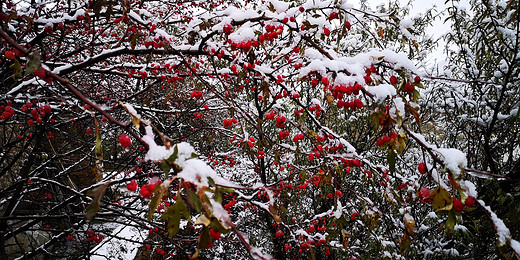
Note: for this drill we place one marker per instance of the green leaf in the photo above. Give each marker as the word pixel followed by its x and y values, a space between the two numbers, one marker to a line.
pixel 391 157
pixel 17 69
pixel 158 193
pixel 416 96
pixel 33 62
pixel 196 254
pixel 217 225
pixel 173 215
pixel 93 208
pixel 204 238
pixel 99 148
pixel 400 144
pixel 174 155
pixel 193 200
pixel 136 122
pixel 99 154
pixel 450 223
pixel 211 182
pixel 165 166
pixel 226 189
pixel 182 208
pixel 218 196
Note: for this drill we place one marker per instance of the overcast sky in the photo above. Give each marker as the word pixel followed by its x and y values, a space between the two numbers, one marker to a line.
pixel 418 7
pixel 438 28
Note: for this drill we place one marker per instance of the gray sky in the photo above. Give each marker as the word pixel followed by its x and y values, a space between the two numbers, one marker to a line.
pixel 438 28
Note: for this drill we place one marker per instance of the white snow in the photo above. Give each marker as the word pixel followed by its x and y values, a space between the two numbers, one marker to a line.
pixel 381 92
pixel 454 159
pixel 155 152
pixel 515 245
pixel 132 110
pixel 185 152
pixel 197 172
pixel 339 210
pixel 125 246
pixel 502 231
pixel 470 188
pixel 244 33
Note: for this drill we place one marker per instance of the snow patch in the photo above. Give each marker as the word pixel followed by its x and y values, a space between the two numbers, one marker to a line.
pixel 381 92
pixel 198 172
pixel 454 159
pixel 243 34
pixel 502 230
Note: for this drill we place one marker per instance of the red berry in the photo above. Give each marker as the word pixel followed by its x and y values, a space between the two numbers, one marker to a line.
pixel 470 202
pixel 458 205
pixel 228 29
pixel 125 141
pixel 314 82
pixel 88 131
pixel 409 87
pixel 145 191
pixel 325 81
pixel 215 235
pixel 368 79
pixel 358 104
pixel 326 31
pixel 9 55
pixel 333 15
pixel 347 24
pixel 18 53
pixel 132 185
pixel 393 80
pixel 302 9
pixel 40 73
pixel 417 79
pixel 422 168
pixel 424 192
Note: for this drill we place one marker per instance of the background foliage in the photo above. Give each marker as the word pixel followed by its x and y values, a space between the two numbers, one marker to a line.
pixel 270 129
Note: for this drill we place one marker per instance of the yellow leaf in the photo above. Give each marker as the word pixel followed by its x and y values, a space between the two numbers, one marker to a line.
pixel 409 224
pixel 441 199
pixel 136 122
pixel 195 255
pixel 203 220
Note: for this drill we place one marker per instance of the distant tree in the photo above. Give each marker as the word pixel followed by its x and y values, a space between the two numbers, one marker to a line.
pixel 229 129
pixel 475 100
